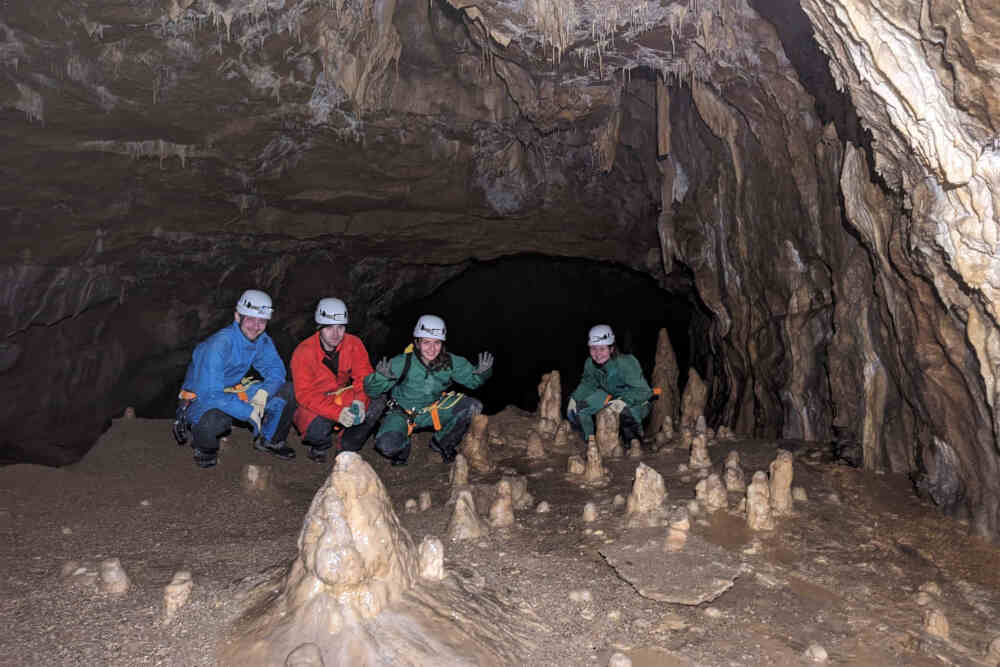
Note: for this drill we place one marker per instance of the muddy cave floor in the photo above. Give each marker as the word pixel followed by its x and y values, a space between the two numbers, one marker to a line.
pixel 844 572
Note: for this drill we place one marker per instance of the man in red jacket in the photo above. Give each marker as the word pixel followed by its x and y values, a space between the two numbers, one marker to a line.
pixel 328 370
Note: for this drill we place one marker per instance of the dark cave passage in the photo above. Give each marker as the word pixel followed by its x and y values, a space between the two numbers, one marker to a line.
pixel 532 312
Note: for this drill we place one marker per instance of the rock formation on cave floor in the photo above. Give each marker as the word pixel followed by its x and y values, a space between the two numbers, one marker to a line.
pixel 848 572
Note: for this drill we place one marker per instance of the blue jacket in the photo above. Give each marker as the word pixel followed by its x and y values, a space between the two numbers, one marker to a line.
pixel 221 361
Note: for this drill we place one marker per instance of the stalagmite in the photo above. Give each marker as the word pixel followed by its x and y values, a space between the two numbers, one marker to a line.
pixel 677 533
pixel 699 453
pixel 549 404
pixel 700 426
pixel 465 523
pixel 562 438
pixel 595 472
pixel 431 558
pixel 635 449
pixel 590 512
pixel 664 376
pixel 606 432
pixel 474 445
pixel 781 483
pixel 759 503
pixel 694 399
pixel 534 450
pixel 644 506
pixel 502 510
pixel 993 653
pixel 256 478
pixel 425 501
pixel 520 498
pixel 712 494
pixel 410 506
pixel 113 577
pixel 936 623
pixel 733 476
pixel 175 594
pixel 725 433
pixel 575 466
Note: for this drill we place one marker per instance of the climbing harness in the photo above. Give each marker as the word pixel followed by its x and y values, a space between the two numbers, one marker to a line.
pixel 447 401
pixel 185 397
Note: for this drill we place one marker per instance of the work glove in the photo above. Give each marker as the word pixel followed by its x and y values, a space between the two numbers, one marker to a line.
pixel 259 399
pixel 485 363
pixel 616 406
pixel 257 417
pixel 571 409
pixel 384 368
pixel 352 414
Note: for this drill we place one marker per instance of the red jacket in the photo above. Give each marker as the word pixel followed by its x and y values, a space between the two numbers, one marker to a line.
pixel 315 384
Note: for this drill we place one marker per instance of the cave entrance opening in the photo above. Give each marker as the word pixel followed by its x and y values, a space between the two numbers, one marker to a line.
pixel 532 312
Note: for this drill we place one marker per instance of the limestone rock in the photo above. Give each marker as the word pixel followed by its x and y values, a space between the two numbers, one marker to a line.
pixel 664 376
pixel 459 473
pixel 677 533
pixel 502 510
pixel 644 506
pixel 699 459
pixel 113 577
pixel 594 474
pixel 431 558
pixel 465 523
pixel 255 477
pixel 549 404
pixel 589 512
pixel 562 437
pixel 606 428
pixel 619 660
pixel 575 466
pixel 993 652
pixel 936 623
pixel 425 501
pixel 712 494
pixel 700 427
pixel 543 507
pixel 176 593
pixel 733 475
pixel 781 483
pixel 474 445
pixel 521 499
pixel 535 450
pixel 410 506
pixel 694 399
pixel 759 515
pixel 816 653
pixel 698 573
pixel 305 655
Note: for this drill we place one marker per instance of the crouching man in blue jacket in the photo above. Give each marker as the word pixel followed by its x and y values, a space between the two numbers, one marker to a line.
pixel 218 390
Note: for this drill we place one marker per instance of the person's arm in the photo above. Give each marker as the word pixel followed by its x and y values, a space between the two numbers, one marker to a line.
pixel 270 366
pixel 361 367
pixel 588 383
pixel 210 379
pixel 377 384
pixel 638 390
pixel 464 373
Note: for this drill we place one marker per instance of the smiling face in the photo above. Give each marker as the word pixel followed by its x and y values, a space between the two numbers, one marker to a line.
pixel 429 349
pixel 600 353
pixel 331 336
pixel 251 327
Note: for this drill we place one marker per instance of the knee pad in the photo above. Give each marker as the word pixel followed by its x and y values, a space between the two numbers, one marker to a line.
pixel 390 443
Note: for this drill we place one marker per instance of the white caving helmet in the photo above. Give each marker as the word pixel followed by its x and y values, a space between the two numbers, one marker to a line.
pixel 331 311
pixel 601 335
pixel 430 326
pixel 254 303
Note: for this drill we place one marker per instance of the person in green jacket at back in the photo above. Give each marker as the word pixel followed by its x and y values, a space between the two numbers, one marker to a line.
pixel 613 380
pixel 412 390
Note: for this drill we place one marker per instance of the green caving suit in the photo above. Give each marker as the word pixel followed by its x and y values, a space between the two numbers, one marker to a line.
pixel 619 377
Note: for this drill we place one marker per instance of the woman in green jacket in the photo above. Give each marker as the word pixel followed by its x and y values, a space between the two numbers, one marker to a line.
pixel 613 380
pixel 412 388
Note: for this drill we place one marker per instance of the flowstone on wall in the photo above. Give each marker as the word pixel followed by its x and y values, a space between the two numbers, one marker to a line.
pixel 355 593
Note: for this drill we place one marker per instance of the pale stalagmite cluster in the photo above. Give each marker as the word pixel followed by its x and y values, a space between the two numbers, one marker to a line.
pixel 733 475
pixel 759 515
pixel 781 483
pixel 502 509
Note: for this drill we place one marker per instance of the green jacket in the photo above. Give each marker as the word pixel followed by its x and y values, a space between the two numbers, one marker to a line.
pixel 421 387
pixel 620 377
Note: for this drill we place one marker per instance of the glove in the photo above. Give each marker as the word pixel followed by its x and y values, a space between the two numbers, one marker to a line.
pixel 384 368
pixel 257 416
pixel 352 414
pixel 571 408
pixel 259 400
pixel 616 406
pixel 485 363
